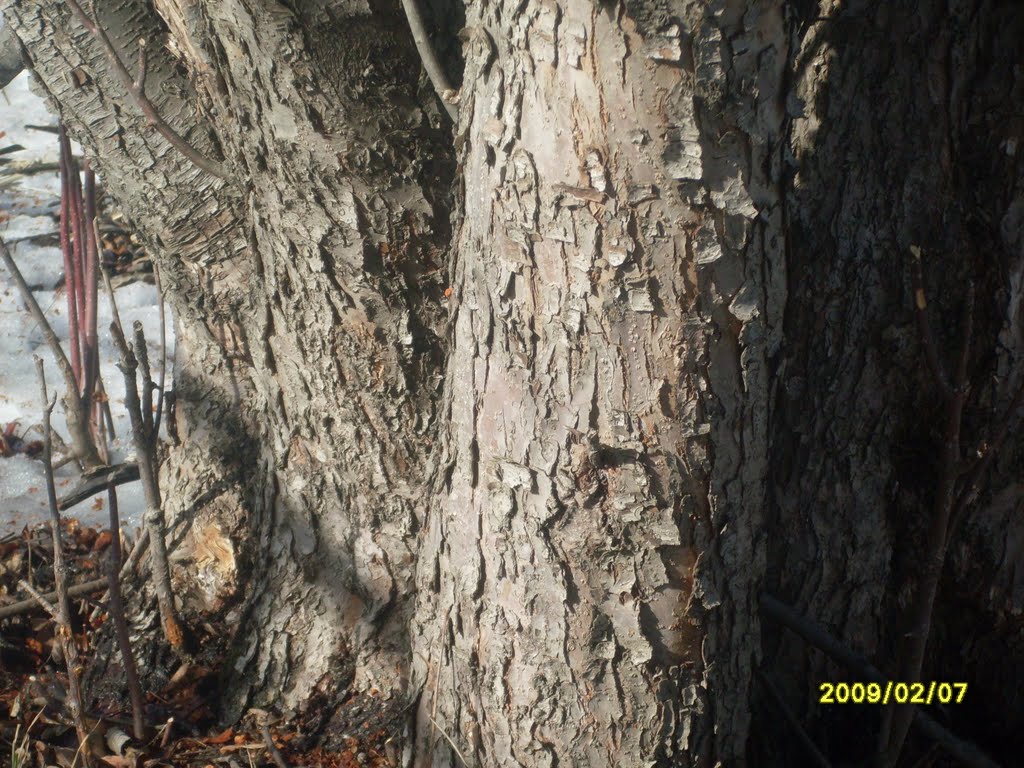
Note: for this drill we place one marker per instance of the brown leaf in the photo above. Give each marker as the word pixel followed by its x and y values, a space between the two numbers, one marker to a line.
pixel 221 738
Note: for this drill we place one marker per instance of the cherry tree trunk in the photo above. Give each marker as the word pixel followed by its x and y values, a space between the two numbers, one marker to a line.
pixel 504 426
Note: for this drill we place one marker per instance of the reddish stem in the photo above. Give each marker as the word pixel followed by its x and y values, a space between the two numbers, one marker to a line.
pixel 70 276
pixel 78 243
pixel 91 285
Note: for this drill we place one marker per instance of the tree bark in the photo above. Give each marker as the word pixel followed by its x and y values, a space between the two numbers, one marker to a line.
pixel 515 429
pixel 307 295
pixel 590 572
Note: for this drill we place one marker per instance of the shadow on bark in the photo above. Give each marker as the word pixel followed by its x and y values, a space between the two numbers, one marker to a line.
pixel 902 132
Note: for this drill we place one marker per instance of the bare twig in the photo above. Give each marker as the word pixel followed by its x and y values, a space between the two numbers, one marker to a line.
pixel 142 354
pixel 985 453
pixel 90 286
pixel 78 256
pixel 70 263
pixel 78 426
pixel 124 644
pixel 965 751
pixel 790 717
pixel 165 736
pixel 26 606
pixel 451 743
pixel 154 514
pixel 37 314
pixel 113 302
pixel 163 355
pixel 924 326
pixel 897 718
pixel 39 599
pixel 275 753
pixel 136 88
pixel 106 281
pixel 60 576
pixel 93 484
pixel 140 73
pixel 435 71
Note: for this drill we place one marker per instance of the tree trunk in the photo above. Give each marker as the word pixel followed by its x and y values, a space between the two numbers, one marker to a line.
pixel 514 430
pixel 590 571
pixel 307 292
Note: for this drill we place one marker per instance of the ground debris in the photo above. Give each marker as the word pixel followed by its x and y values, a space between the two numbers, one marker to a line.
pixel 36 727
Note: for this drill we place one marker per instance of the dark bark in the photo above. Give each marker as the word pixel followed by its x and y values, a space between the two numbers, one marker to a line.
pixel 536 468
pixel 900 134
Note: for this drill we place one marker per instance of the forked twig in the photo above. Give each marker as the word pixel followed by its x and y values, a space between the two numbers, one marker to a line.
pixel 153 517
pixel 136 87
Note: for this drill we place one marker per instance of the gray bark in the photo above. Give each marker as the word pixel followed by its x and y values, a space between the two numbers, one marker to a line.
pixel 530 469
pixel 596 553
pixel 305 299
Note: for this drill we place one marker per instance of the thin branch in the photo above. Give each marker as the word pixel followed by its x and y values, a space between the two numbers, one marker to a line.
pixel 40 600
pixel 70 265
pixel 90 283
pixel 986 453
pixel 124 643
pixel 790 717
pixel 435 71
pixel 93 484
pixel 774 609
pixel 275 753
pixel 104 401
pixel 897 718
pixel 140 73
pixel 26 606
pixel 37 314
pixel 966 331
pixel 60 575
pixel 153 517
pixel 451 743
pixel 138 94
pixel 924 326
pixel 113 302
pixel 163 355
pixel 81 441
pixel 79 257
pixel 142 354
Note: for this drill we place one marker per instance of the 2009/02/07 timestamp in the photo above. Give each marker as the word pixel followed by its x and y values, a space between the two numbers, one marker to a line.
pixel 884 693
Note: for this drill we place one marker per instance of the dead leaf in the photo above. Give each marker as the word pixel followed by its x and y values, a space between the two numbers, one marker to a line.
pixel 221 738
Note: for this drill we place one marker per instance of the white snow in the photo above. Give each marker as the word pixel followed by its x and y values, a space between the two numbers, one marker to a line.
pixel 27 211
